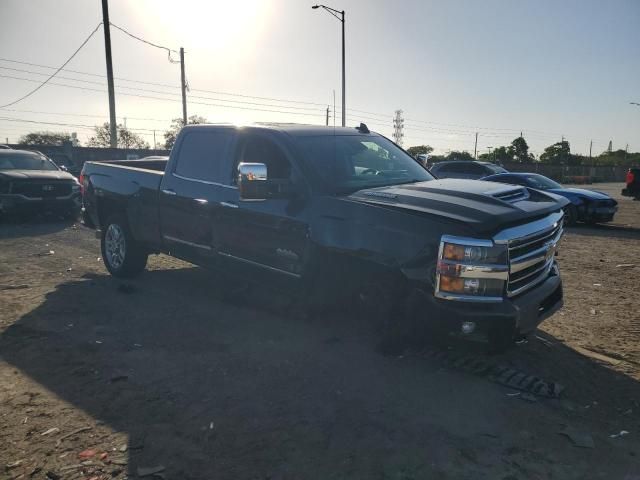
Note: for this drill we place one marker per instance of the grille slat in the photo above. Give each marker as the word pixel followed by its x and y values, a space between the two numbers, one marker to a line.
pixel 531 258
pixel 41 189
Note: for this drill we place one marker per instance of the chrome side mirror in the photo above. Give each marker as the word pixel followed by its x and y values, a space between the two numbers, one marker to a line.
pixel 252 181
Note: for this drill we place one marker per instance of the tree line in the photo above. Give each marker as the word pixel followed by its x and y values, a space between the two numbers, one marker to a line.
pixel 518 152
pixel 102 136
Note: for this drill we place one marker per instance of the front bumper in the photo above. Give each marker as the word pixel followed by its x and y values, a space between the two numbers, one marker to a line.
pixel 16 203
pixel 520 315
pixel 600 214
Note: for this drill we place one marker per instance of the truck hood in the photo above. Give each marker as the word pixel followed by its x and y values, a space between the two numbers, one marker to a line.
pixel 483 206
pixel 36 175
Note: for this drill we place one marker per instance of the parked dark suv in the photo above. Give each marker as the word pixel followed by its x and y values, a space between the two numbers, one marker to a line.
pixel 465 169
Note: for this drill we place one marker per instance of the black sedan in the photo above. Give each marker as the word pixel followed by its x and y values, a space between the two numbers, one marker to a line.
pixel 30 182
pixel 465 169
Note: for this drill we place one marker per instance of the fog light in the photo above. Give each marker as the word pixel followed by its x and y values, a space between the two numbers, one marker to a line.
pixel 468 327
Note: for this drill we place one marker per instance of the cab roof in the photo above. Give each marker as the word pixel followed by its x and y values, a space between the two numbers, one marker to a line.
pixel 293 129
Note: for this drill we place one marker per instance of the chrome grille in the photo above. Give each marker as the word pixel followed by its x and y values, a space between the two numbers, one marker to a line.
pixel 531 255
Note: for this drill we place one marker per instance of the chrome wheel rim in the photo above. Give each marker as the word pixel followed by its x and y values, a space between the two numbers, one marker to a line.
pixel 115 245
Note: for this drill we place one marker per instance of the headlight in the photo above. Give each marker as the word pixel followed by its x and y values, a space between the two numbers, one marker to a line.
pixel 471 269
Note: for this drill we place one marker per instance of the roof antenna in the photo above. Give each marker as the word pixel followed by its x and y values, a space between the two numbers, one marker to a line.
pixel 363 128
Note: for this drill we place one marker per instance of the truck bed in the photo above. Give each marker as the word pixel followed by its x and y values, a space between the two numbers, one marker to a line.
pixel 158 164
pixel 133 184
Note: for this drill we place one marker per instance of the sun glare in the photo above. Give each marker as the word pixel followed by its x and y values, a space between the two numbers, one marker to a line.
pixel 215 26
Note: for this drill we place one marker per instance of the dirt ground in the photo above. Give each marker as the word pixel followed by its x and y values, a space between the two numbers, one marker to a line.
pixel 101 378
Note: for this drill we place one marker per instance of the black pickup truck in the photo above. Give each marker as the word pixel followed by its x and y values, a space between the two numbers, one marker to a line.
pixel 335 214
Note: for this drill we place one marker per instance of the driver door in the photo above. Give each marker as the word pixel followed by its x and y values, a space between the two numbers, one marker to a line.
pixel 265 235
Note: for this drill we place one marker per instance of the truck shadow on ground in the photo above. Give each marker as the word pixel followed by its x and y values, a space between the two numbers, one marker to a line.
pixel 209 389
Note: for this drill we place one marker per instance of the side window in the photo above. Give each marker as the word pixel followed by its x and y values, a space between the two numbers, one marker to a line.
pixel 476 169
pixel 202 154
pixel 458 168
pixel 257 149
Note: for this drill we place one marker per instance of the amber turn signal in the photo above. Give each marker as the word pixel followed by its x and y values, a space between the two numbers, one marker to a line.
pixel 453 252
pixel 451 284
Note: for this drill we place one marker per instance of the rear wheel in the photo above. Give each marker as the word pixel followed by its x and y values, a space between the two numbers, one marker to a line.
pixel 123 256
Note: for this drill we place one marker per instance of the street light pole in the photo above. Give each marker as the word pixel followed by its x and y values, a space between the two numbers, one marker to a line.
pixel 341 17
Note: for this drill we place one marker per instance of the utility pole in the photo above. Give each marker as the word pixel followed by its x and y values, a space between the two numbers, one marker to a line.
pixel 113 135
pixel 184 88
pixel 327 123
pixel 155 145
pixel 475 148
pixel 590 147
pixel 344 104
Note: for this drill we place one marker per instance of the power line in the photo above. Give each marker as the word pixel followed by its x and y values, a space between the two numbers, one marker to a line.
pixel 157 91
pixel 428 126
pixel 84 115
pixel 169 50
pixel 56 72
pixel 74 125
pixel 166 85
pixel 172 99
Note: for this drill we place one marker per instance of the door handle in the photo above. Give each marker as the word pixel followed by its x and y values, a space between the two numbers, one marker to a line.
pixel 200 201
pixel 168 191
pixel 228 205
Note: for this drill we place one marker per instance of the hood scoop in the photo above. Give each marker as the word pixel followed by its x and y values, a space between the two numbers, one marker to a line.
pixel 510 194
pixel 382 195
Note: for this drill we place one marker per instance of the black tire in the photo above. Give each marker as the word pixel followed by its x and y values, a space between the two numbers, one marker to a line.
pixel 123 256
pixel 570 215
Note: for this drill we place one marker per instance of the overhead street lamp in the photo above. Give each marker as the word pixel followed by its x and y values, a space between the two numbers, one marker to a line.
pixel 340 16
pixel 635 103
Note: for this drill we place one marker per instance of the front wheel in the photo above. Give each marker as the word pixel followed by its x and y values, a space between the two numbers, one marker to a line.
pixel 123 256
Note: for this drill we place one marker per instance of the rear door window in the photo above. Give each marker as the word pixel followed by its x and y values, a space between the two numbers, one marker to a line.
pixel 202 155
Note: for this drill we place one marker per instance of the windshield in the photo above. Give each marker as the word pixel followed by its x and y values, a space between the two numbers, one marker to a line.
pixel 497 169
pixel 541 183
pixel 354 162
pixel 25 161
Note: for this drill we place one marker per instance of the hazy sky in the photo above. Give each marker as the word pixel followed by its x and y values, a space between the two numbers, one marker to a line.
pixel 546 67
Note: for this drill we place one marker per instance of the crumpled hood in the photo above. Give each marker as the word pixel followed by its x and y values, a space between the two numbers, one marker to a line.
pixel 36 175
pixel 581 192
pixel 483 206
